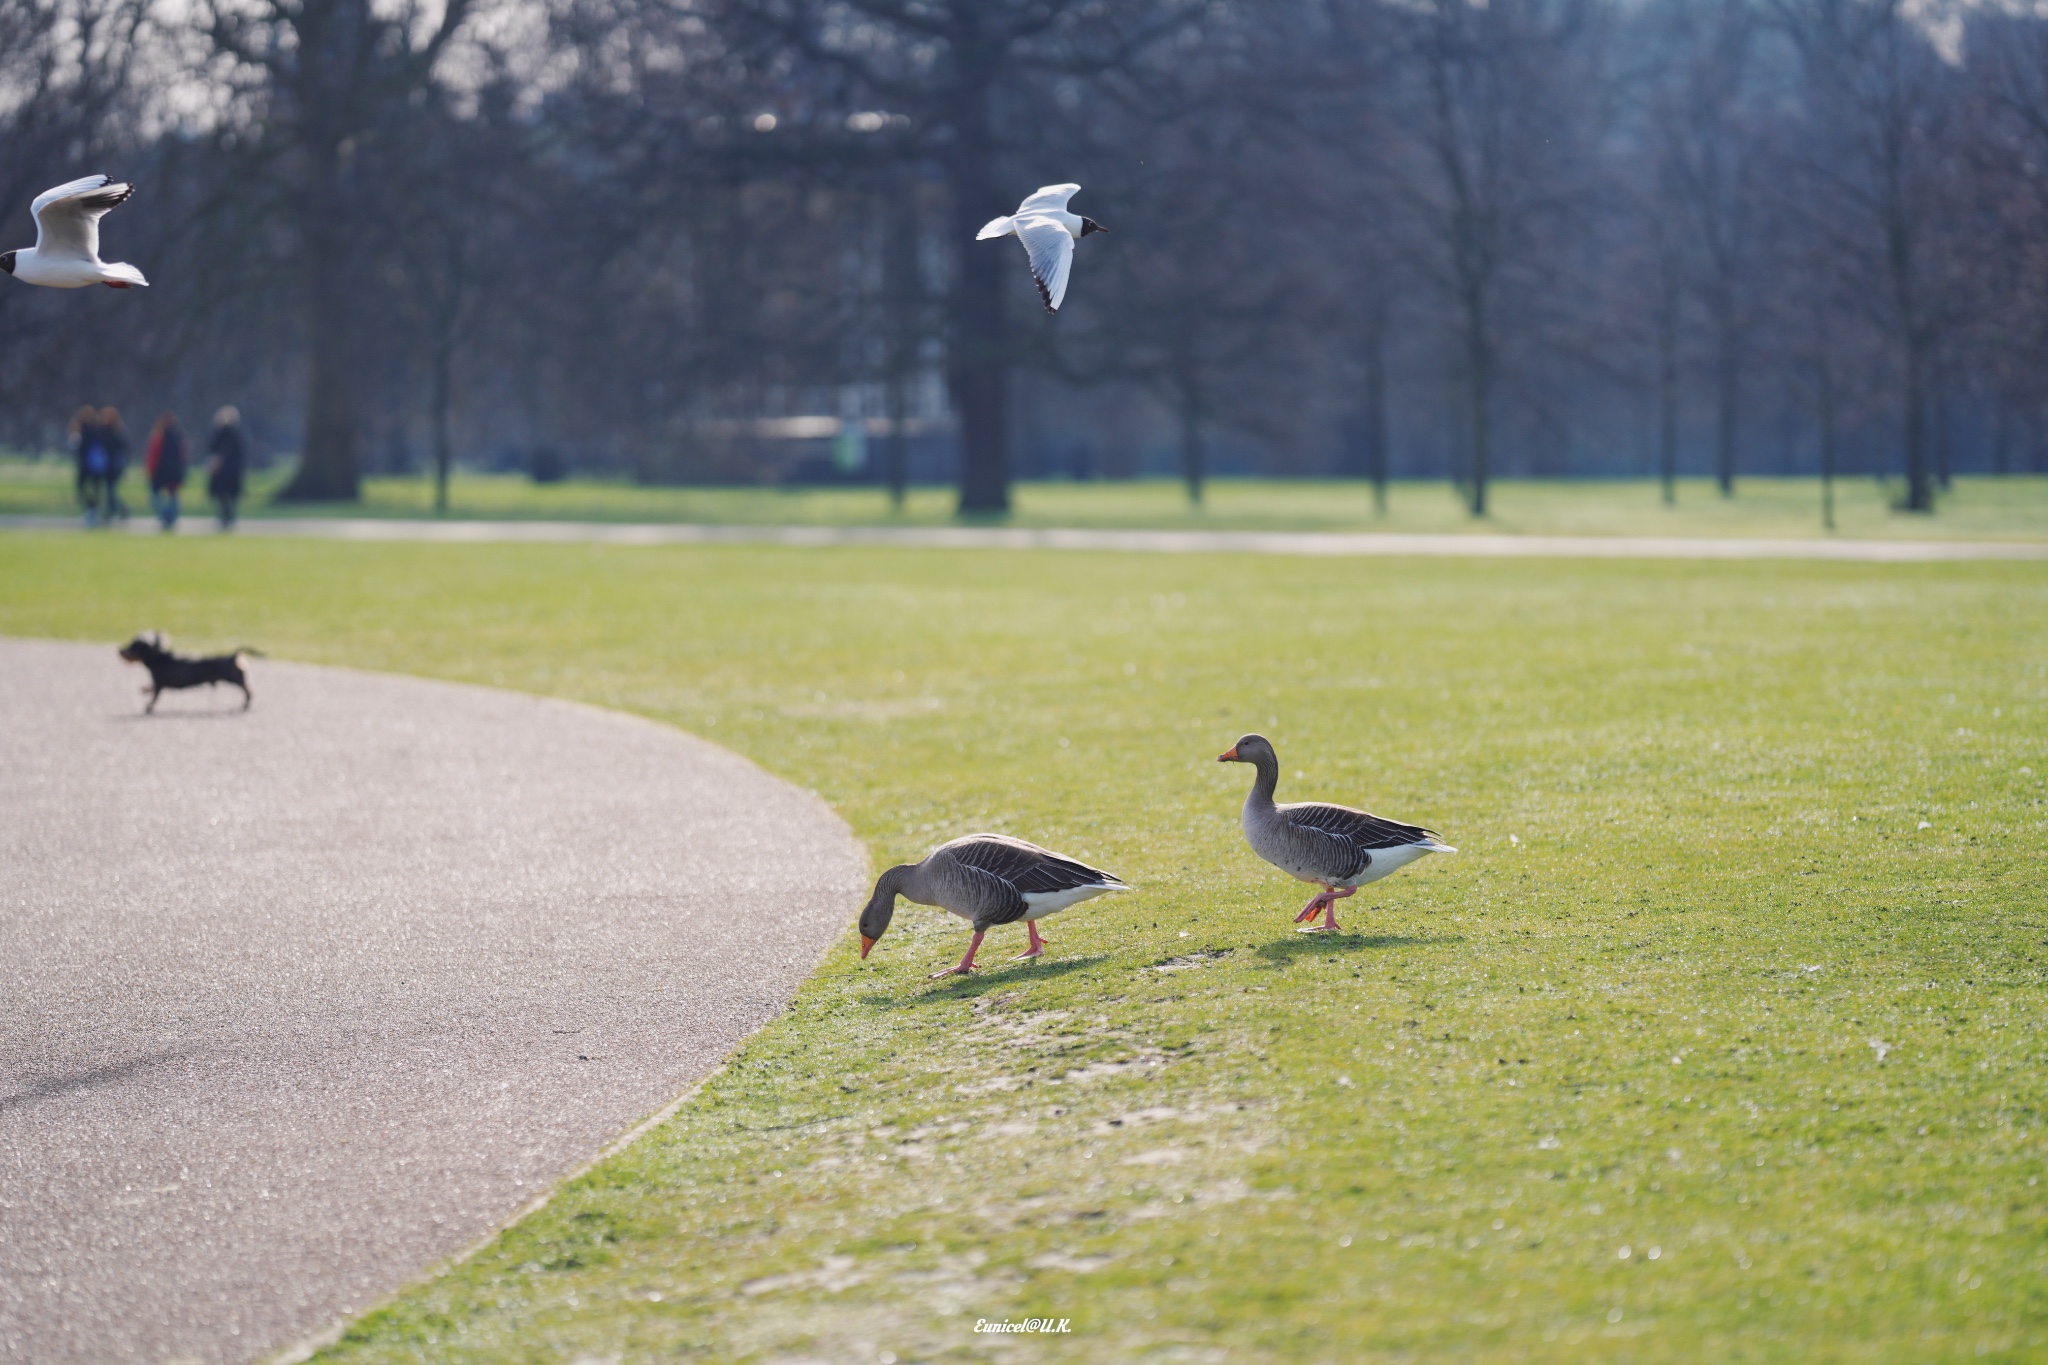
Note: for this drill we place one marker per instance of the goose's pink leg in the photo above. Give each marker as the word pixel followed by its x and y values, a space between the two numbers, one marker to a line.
pixel 1317 904
pixel 966 963
pixel 1330 925
pixel 1037 943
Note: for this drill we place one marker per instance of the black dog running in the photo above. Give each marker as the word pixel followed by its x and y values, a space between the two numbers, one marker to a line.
pixel 168 670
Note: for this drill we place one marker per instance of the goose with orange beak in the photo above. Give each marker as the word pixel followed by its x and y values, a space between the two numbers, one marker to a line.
pixel 986 879
pixel 1335 847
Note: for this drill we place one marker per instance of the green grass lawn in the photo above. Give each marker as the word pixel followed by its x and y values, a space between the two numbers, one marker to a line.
pixel 1978 508
pixel 1721 1039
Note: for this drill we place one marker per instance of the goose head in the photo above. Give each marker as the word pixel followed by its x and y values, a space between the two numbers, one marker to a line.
pixel 881 907
pixel 1254 749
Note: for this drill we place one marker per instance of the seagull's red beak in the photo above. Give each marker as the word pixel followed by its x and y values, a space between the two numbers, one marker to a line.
pixel 865 944
pixel 1228 755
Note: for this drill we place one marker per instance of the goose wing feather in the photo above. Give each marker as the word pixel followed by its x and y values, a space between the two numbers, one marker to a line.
pixel 1026 866
pixel 986 898
pixel 1362 828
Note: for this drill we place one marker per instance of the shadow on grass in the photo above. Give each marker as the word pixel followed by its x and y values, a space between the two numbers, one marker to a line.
pixel 1284 951
pixel 1009 974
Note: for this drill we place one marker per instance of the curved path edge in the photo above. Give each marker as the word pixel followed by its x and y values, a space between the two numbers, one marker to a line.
pixel 303 1001
pixel 311 1345
pixel 1310 543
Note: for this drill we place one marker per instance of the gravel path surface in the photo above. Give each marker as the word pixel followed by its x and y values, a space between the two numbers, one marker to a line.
pixel 294 1002
pixel 1311 543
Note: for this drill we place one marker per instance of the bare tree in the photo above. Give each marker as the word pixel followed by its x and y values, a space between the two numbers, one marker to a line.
pixel 324 80
pixel 1877 96
pixel 1489 177
pixel 455 213
pixel 1699 114
pixel 975 78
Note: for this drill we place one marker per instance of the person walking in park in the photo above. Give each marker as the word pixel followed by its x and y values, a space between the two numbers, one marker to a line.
pixel 228 458
pixel 89 456
pixel 166 463
pixel 114 436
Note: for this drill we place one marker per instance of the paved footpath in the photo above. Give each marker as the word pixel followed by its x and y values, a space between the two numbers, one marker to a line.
pixel 296 1001
pixel 1312 543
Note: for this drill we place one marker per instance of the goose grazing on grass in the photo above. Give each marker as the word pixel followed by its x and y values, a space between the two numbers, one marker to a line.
pixel 67 250
pixel 986 879
pixel 1048 233
pixel 1334 847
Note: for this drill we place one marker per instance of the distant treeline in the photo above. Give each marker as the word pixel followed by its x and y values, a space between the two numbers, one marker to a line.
pixel 1428 238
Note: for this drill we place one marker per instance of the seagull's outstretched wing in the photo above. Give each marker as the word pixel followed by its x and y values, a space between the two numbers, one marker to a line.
pixel 1048 199
pixel 68 217
pixel 65 191
pixel 1051 248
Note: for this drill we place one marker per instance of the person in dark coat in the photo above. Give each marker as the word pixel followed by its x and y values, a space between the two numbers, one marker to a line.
pixel 227 462
pixel 115 436
pixel 89 456
pixel 166 463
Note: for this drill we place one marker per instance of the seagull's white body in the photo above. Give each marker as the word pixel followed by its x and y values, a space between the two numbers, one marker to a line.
pixel 1048 232
pixel 67 250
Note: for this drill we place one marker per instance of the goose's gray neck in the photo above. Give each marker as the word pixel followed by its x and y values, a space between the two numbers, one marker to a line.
pixel 905 879
pixel 1268 781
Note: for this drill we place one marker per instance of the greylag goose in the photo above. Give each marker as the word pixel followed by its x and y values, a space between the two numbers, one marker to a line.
pixel 986 879
pixel 1334 847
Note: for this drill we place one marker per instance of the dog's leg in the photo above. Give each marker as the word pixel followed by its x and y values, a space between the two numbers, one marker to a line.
pixel 246 698
pixel 151 708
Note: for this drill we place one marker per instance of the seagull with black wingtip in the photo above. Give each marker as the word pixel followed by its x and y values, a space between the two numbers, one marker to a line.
pixel 1048 231
pixel 1335 847
pixel 67 250
pixel 986 879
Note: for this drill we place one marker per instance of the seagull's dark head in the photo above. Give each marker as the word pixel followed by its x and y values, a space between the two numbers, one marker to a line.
pixel 1089 225
pixel 7 261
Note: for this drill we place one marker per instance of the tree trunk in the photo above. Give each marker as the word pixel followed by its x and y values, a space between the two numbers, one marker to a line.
pixel 1192 456
pixel 444 359
pixel 1827 446
pixel 977 358
pixel 1480 361
pixel 1943 475
pixel 897 453
pixel 1725 399
pixel 1376 414
pixel 903 297
pixel 1919 483
pixel 1667 391
pixel 329 468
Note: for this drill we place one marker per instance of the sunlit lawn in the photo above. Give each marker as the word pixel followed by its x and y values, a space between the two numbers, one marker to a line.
pixel 2013 508
pixel 1721 1038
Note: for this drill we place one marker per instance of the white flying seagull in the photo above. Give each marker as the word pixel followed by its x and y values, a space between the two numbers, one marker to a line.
pixel 1048 233
pixel 67 250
